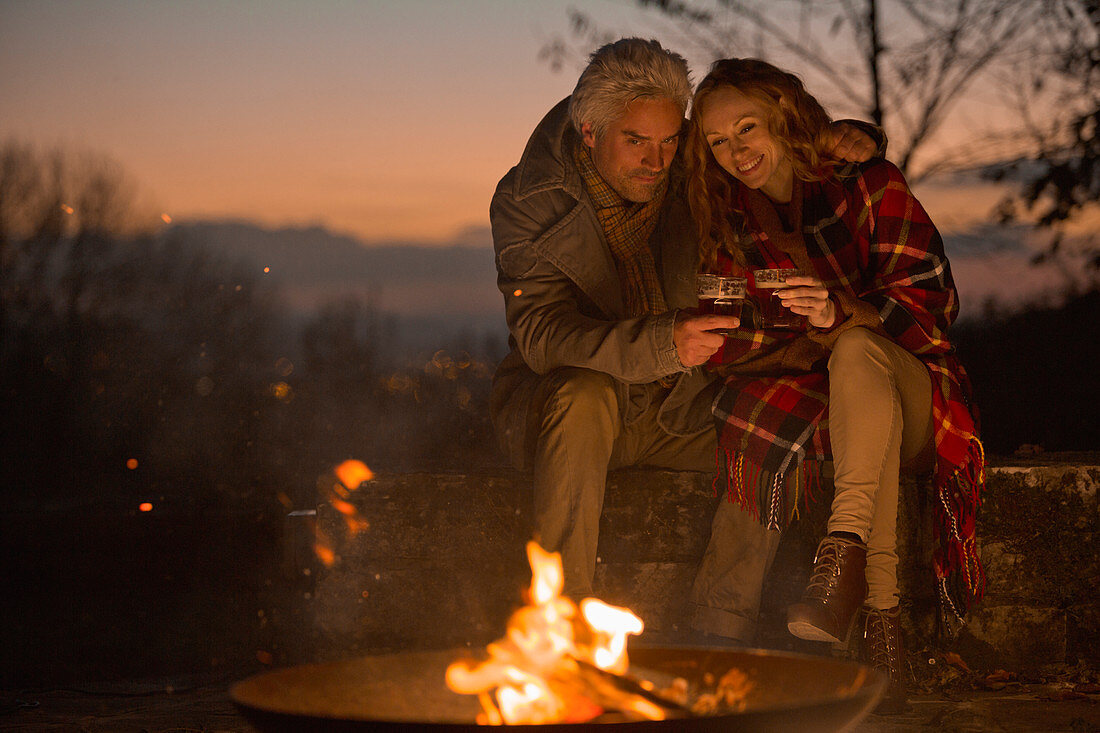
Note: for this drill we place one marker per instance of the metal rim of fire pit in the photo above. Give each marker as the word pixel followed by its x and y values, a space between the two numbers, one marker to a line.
pixel 406 691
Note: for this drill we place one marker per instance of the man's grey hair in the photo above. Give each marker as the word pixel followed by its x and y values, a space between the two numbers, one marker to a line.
pixel 623 71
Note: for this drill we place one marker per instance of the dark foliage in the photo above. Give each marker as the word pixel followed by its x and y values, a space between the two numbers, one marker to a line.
pixel 1033 376
pixel 1062 179
pixel 122 346
pixel 138 369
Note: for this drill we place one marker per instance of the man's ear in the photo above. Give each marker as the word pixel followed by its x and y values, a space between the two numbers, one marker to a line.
pixel 588 136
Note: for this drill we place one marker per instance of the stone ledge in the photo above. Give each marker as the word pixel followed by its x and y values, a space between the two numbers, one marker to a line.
pixel 443 563
pixel 1038 532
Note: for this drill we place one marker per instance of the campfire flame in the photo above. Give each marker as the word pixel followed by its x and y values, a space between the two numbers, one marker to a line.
pixel 611 625
pixel 557 663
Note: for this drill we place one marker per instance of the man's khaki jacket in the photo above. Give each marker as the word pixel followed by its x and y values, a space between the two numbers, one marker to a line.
pixel 563 300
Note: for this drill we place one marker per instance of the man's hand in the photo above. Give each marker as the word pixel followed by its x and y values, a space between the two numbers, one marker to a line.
pixel 851 143
pixel 808 296
pixel 697 338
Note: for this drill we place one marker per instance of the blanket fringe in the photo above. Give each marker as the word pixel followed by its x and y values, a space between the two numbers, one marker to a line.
pixel 957 564
pixel 775 499
pixel 960 577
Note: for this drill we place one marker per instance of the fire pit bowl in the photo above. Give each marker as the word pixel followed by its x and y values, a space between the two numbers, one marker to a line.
pixel 406 691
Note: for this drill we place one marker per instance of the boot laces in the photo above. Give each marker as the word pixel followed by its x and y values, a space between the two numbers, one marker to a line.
pixel 826 568
pixel 882 649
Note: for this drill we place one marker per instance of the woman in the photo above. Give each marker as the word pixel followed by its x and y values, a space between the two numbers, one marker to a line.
pixel 869 378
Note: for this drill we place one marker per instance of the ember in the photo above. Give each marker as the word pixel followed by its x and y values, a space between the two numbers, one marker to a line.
pixel 559 663
pixel 352 473
pixel 349 476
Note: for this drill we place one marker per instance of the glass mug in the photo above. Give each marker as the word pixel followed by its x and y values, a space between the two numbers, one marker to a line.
pixel 720 295
pixel 770 311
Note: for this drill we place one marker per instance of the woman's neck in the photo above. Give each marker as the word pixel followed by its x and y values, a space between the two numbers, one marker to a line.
pixel 780 185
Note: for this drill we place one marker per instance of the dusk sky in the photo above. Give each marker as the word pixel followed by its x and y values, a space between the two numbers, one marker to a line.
pixel 384 120
pixel 381 119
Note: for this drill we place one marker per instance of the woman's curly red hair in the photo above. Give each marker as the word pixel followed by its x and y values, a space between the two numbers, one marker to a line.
pixel 795 119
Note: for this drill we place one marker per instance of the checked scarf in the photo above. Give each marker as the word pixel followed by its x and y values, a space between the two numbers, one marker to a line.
pixel 627 227
pixel 874 247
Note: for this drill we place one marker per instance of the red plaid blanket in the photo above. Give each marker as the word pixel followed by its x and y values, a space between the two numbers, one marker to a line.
pixel 873 245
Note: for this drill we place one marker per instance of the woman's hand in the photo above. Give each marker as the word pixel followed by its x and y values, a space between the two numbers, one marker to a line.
pixel 808 296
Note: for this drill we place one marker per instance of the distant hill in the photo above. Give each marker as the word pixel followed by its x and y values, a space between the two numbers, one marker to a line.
pixel 396 275
pixel 433 293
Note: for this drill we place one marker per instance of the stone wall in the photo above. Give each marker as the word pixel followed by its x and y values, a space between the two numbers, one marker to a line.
pixel 1039 533
pixel 443 563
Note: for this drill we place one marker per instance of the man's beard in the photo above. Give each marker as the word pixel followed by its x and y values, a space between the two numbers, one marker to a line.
pixel 630 188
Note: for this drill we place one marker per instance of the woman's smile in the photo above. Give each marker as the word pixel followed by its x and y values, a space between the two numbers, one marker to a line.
pixel 751 165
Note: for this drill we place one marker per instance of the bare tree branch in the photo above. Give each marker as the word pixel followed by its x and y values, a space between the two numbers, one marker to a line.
pixel 903 63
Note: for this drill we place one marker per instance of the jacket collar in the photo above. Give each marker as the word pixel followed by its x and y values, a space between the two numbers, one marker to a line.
pixel 546 161
pixel 547 164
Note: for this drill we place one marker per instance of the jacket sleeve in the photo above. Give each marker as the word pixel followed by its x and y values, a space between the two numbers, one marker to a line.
pixel 552 321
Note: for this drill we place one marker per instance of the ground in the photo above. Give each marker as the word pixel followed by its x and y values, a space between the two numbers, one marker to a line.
pixel 117 620
pixel 202 703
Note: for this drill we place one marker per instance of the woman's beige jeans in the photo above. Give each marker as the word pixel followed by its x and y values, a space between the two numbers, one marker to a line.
pixel 880 419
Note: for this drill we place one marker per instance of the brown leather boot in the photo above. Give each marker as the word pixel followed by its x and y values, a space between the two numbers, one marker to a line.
pixel 836 590
pixel 884 650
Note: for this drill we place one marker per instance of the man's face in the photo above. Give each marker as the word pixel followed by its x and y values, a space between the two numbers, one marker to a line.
pixel 635 152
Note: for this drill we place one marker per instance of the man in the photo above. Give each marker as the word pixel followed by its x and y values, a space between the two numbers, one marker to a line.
pixel 596 261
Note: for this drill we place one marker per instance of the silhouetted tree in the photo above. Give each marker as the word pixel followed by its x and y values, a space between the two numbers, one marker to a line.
pixel 904 64
pixel 138 365
pixel 120 344
pixel 341 343
pixel 1062 109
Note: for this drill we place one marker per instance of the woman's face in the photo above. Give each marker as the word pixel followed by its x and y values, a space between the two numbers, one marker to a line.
pixel 735 127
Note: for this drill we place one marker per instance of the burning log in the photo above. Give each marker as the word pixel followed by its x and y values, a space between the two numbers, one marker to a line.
pixel 560 663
